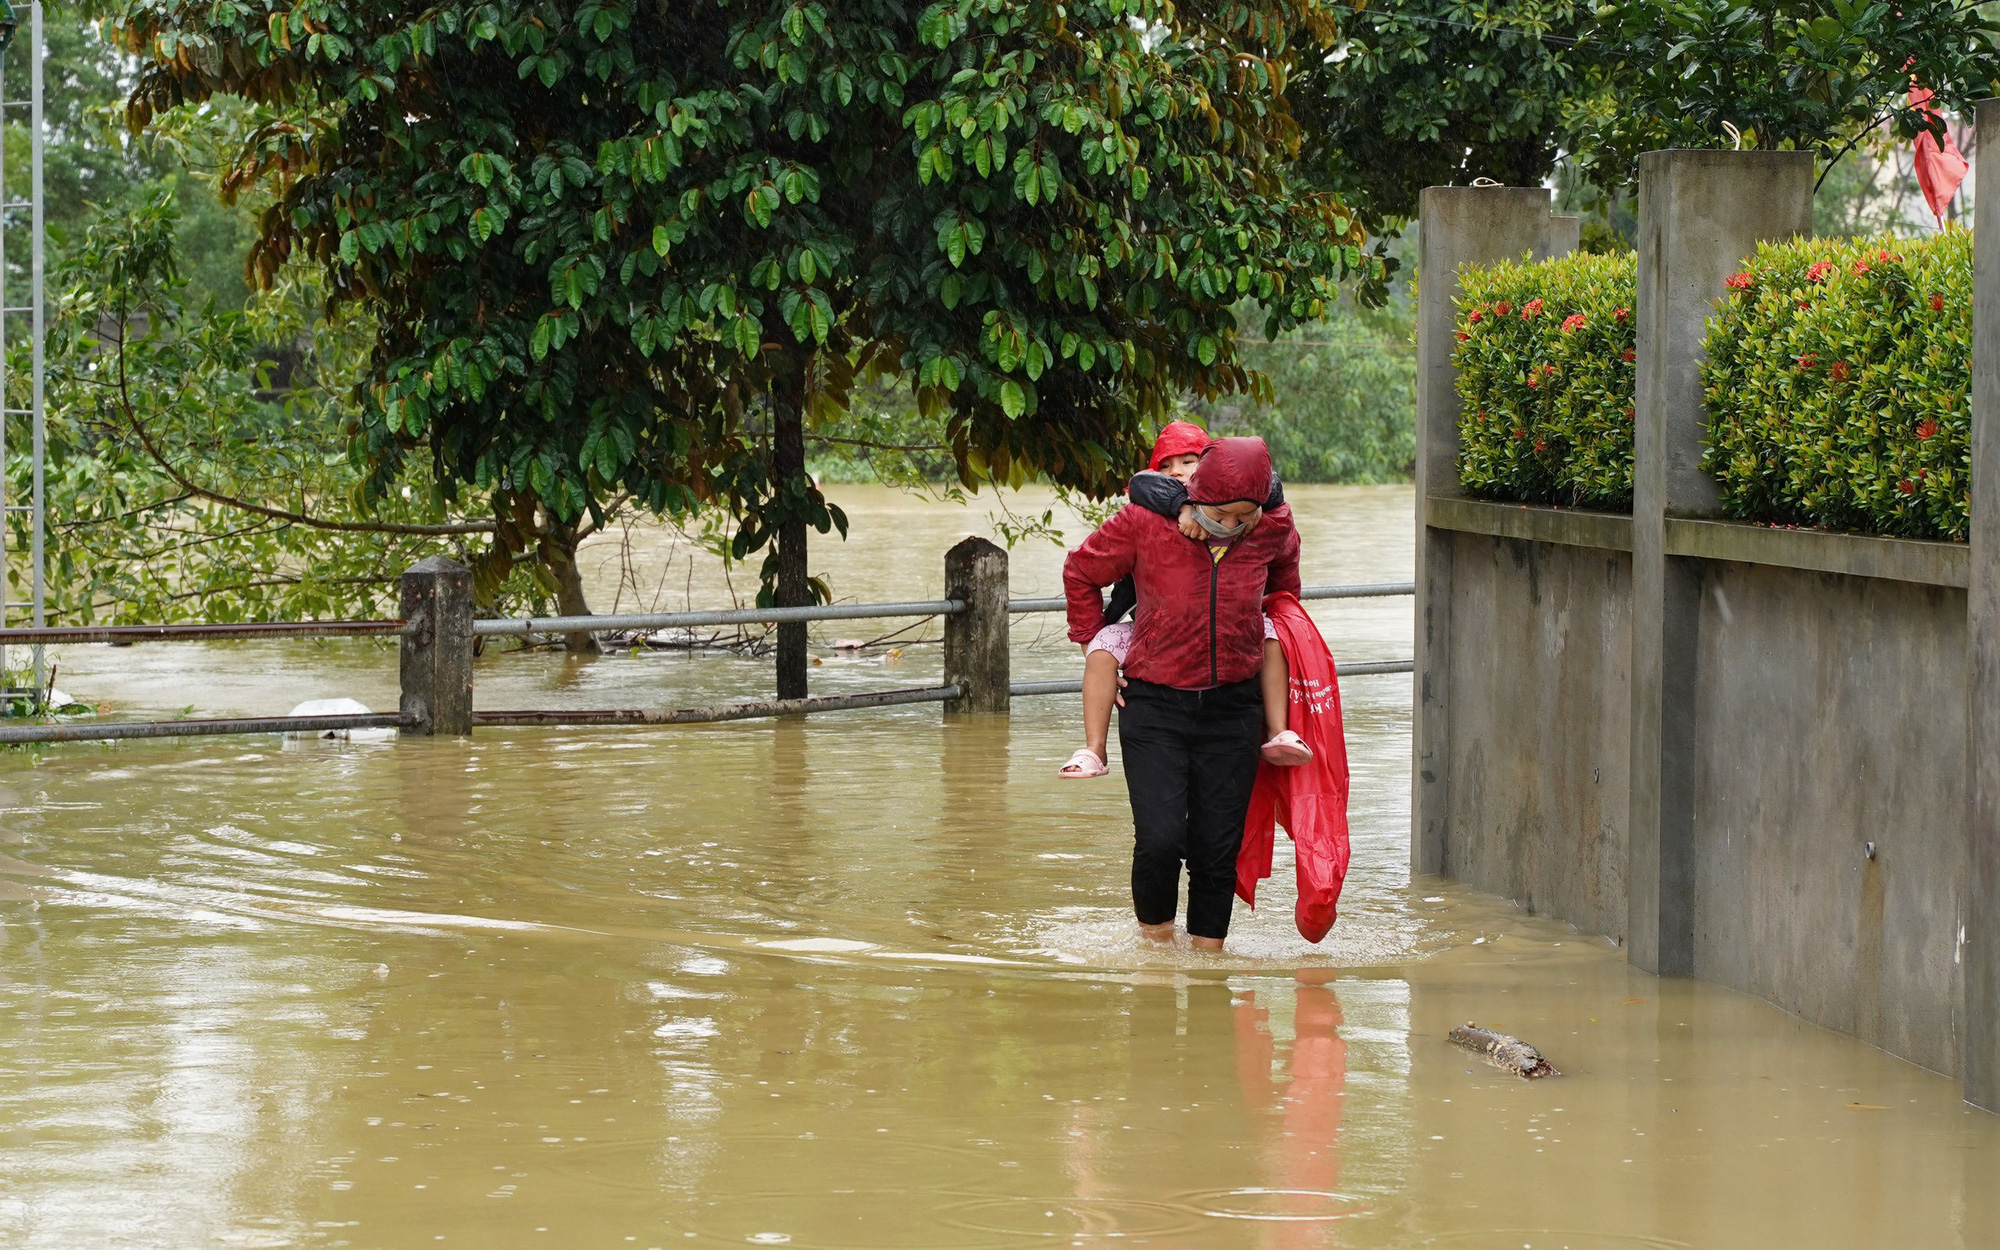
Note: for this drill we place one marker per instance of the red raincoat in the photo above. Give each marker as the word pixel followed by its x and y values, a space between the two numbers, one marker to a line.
pixel 1310 800
pixel 1198 623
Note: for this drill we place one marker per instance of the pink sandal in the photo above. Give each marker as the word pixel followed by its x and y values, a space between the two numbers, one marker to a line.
pixel 1085 763
pixel 1287 750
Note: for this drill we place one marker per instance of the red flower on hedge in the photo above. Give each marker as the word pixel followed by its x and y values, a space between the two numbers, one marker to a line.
pixel 1819 270
pixel 1573 323
pixel 1628 414
pixel 1841 371
pixel 1630 356
pixel 1927 429
pixel 1808 361
pixel 1738 281
pixel 1620 314
pixel 1475 318
pixel 1907 486
pixel 1502 308
pixel 1461 336
pixel 1532 308
pixel 1937 303
pixel 1861 267
pixel 1541 444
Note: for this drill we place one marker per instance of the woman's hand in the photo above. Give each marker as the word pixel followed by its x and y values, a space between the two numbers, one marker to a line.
pixel 1189 526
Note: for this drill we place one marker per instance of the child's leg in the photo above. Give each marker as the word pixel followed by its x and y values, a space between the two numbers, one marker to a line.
pixel 1276 681
pixel 1100 689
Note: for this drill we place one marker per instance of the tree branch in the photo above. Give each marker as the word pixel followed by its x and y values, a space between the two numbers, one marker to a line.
pixel 875 446
pixel 1863 133
pixel 264 583
pixel 244 505
pixel 610 514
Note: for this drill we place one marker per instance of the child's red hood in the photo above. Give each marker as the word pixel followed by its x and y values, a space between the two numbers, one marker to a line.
pixel 1178 438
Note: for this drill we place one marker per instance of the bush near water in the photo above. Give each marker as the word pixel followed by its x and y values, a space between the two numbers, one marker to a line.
pixel 1838 386
pixel 1545 367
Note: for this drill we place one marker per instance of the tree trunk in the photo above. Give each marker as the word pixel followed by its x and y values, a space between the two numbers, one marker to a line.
pixel 570 599
pixel 794 589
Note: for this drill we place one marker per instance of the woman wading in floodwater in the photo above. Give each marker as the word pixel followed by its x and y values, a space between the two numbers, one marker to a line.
pixel 1192 718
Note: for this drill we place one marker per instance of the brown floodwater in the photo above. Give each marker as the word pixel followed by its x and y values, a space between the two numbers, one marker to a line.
pixel 864 980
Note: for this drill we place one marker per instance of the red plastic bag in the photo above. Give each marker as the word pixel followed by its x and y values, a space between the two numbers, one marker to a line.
pixel 1310 800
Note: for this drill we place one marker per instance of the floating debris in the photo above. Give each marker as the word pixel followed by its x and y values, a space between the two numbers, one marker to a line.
pixel 338 707
pixel 1502 1051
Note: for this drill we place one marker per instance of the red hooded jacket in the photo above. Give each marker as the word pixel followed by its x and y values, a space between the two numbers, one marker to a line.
pixel 1200 620
pixel 1310 800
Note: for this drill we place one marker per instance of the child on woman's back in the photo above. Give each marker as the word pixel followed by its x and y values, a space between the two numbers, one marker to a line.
pixel 1163 489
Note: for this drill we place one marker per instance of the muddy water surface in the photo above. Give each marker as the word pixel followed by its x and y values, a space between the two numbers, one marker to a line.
pixel 861 981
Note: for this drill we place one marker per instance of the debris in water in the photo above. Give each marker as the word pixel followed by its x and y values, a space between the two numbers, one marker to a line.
pixel 1502 1051
pixel 338 707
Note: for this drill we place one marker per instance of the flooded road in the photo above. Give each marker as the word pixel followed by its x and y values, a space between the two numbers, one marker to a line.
pixel 866 980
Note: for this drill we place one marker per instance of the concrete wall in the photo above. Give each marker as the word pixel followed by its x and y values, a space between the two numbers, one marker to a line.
pixel 1685 732
pixel 1830 713
pixel 1540 652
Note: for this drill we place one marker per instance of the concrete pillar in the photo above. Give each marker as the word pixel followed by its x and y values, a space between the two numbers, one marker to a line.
pixel 1455 226
pixel 1980 922
pixel 976 650
pixel 437 651
pixel 1701 214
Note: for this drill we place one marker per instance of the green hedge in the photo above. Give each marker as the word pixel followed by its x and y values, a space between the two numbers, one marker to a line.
pixel 1838 383
pixel 1545 369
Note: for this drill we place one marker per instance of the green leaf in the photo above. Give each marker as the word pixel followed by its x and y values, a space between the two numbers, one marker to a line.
pixel 1013 401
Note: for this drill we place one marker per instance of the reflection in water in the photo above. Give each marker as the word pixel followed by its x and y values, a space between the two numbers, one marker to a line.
pixel 1304 1161
pixel 866 981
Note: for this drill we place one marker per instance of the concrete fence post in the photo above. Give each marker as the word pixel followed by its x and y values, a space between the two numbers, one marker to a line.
pixel 976 650
pixel 437 651
pixel 1701 214
pixel 1456 226
pixel 1979 925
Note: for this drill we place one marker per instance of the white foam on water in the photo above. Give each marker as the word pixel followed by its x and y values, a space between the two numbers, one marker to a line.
pixel 830 946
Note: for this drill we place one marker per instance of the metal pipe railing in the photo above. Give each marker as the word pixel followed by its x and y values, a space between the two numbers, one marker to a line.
pixel 1366 590
pixel 731 616
pixel 1363 590
pixel 719 712
pixel 414 631
pixel 1357 668
pixel 521 626
pixel 105 731
pixel 199 633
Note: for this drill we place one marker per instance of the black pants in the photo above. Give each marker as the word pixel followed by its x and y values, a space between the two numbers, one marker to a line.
pixel 1190 759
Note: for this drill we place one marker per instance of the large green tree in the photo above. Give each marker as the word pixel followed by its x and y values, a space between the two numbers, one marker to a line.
pixel 628 249
pixel 1821 77
pixel 1435 92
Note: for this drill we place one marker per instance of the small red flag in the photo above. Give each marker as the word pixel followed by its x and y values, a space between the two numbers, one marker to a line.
pixel 1939 170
